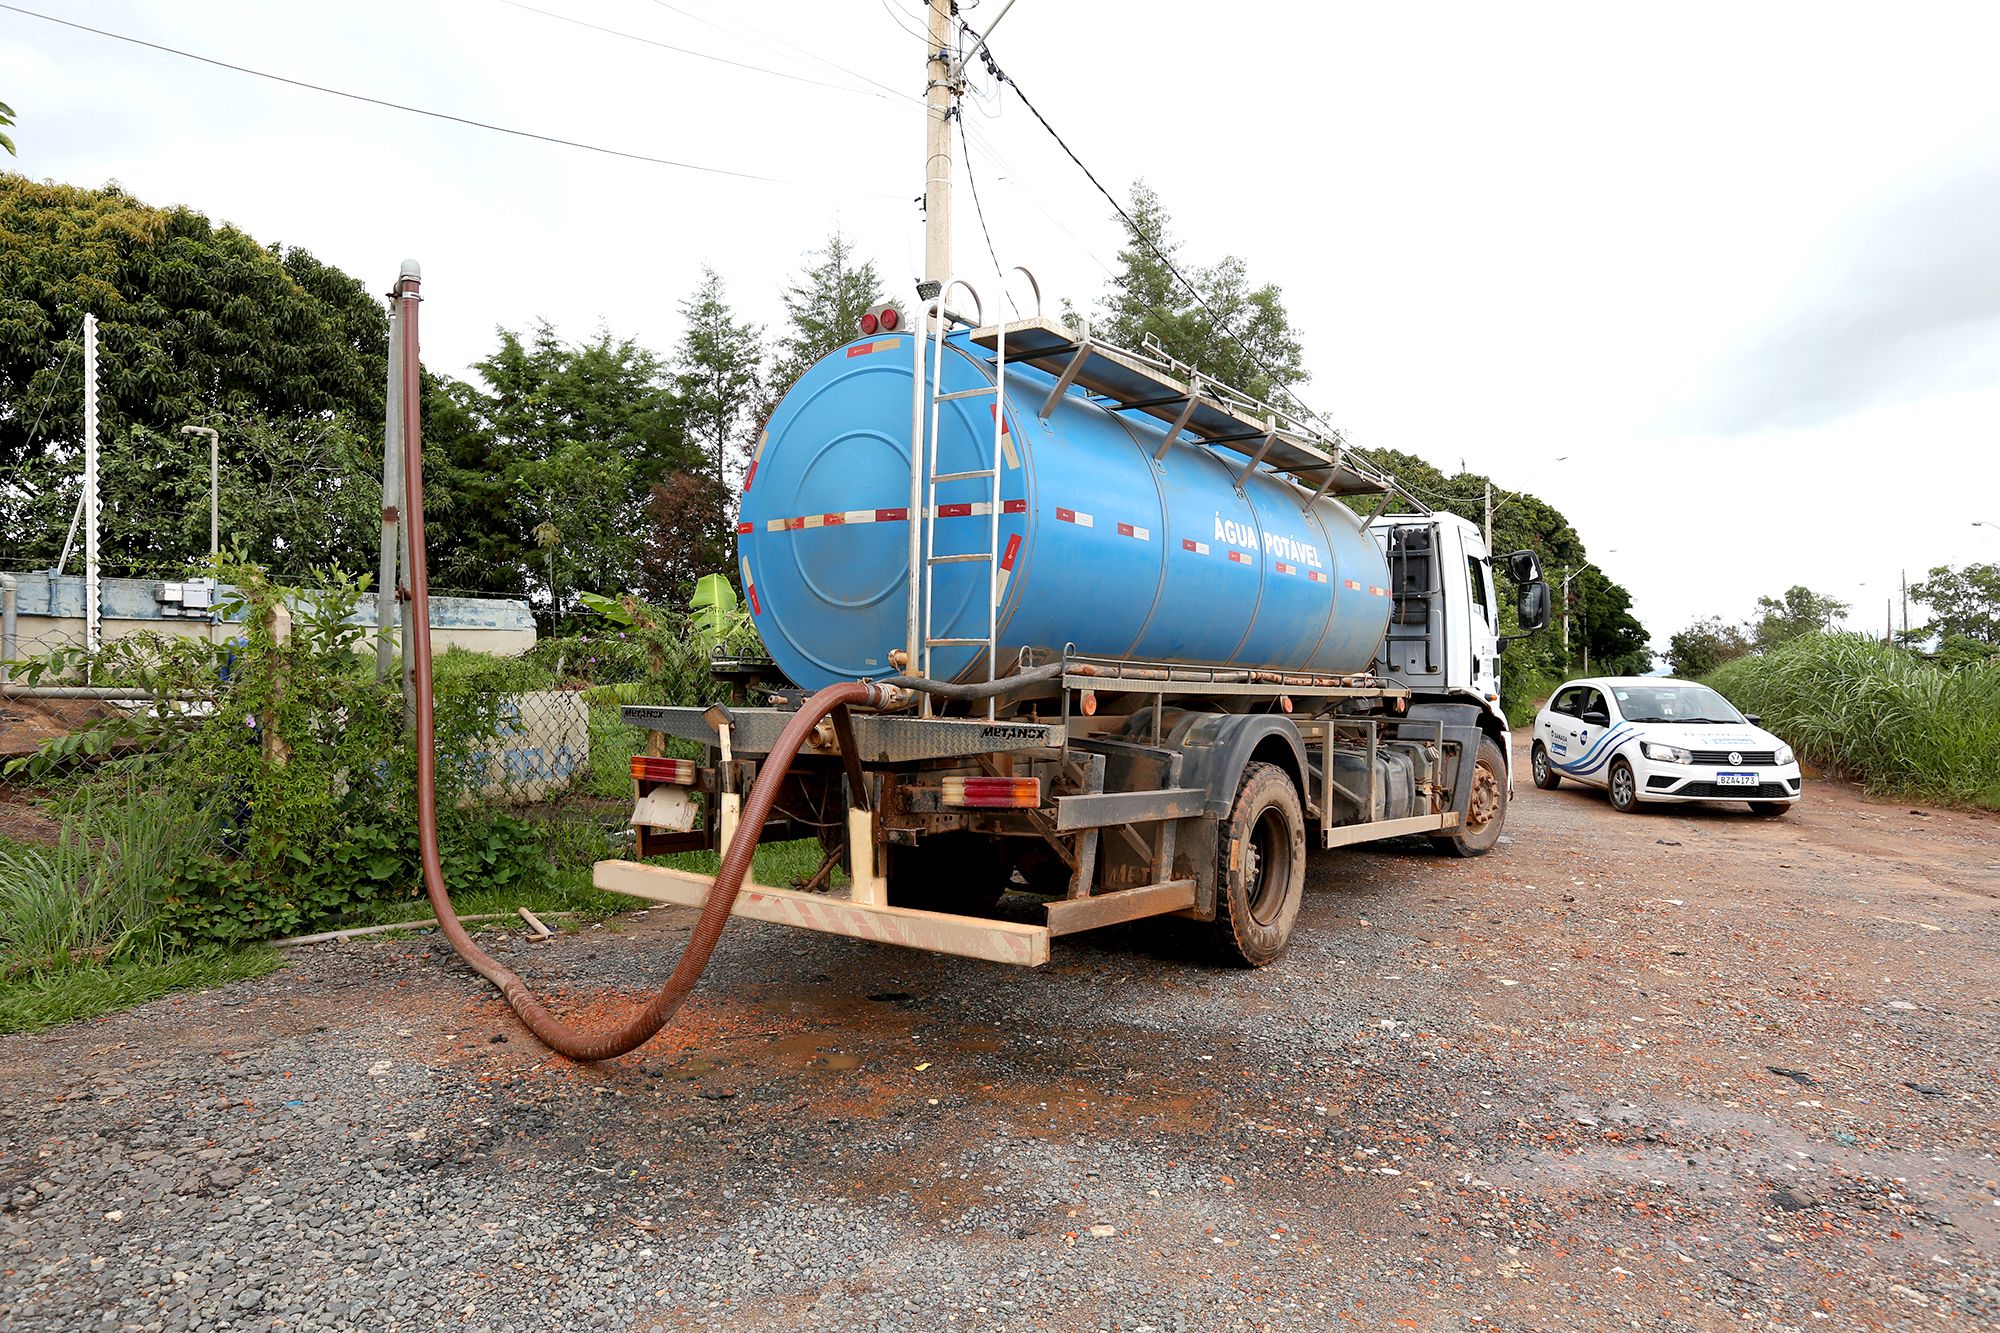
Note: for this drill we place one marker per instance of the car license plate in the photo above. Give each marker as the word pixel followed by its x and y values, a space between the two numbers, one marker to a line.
pixel 1735 779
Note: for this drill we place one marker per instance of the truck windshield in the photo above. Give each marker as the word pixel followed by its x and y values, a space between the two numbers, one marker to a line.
pixel 1674 703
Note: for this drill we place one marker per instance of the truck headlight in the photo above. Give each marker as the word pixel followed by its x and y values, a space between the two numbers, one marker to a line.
pixel 1665 754
pixel 1785 755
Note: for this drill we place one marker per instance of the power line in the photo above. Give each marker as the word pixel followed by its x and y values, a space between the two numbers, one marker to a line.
pixel 977 207
pixel 690 51
pixel 761 35
pixel 1132 226
pixel 425 111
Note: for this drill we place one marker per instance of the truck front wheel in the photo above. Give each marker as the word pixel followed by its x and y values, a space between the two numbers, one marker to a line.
pixel 1260 873
pixel 1486 811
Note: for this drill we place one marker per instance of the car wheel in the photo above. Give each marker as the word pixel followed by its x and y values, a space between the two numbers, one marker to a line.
pixel 1769 809
pixel 1624 788
pixel 1545 773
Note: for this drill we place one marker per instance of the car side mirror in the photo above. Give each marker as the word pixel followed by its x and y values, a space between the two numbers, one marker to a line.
pixel 1531 606
pixel 1524 567
pixel 1753 719
pixel 1597 719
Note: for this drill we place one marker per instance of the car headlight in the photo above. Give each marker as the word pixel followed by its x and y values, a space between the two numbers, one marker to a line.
pixel 1665 754
pixel 1785 755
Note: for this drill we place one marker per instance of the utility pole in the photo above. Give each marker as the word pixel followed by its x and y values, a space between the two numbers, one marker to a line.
pixel 1489 518
pixel 1906 608
pixel 93 622
pixel 940 105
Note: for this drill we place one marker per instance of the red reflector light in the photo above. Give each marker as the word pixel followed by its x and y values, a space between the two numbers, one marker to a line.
pixel 652 768
pixel 994 793
pixel 868 323
pixel 890 319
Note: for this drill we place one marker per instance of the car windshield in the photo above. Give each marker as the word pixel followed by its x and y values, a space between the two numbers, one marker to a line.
pixel 1674 703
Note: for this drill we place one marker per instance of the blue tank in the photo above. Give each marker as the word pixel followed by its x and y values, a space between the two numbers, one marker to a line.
pixel 1101 546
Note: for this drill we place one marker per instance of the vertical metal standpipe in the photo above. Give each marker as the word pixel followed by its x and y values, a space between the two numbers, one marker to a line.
pixel 409 408
pixel 387 615
pixel 93 624
pixel 10 622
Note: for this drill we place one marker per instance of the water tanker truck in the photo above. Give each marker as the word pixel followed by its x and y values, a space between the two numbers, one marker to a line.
pixel 1135 641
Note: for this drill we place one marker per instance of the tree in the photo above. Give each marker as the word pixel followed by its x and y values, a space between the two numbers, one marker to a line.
pixel 1799 611
pixel 823 308
pixel 565 441
pixel 7 118
pixel 1237 334
pixel 683 540
pixel 197 323
pixel 1963 602
pixel 1704 646
pixel 715 376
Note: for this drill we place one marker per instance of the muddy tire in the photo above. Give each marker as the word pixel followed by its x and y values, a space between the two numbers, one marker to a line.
pixel 1544 772
pixel 1260 872
pixel 1769 809
pixel 1486 812
pixel 960 873
pixel 1623 788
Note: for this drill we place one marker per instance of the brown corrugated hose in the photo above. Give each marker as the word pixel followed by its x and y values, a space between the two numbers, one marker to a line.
pixel 553 1032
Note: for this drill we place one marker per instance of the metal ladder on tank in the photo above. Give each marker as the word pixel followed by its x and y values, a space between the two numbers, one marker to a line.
pixel 926 395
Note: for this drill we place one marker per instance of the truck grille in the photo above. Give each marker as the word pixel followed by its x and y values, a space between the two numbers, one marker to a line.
pixel 1750 758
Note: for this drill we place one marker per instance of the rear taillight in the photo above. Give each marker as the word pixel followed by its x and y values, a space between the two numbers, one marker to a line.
pixel 868 324
pixel 991 793
pixel 652 768
pixel 890 319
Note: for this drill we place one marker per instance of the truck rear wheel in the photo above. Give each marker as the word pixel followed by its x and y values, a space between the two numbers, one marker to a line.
pixel 960 873
pixel 1486 811
pixel 1260 873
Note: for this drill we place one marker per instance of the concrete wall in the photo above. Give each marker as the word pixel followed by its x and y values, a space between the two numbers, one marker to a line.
pixel 51 616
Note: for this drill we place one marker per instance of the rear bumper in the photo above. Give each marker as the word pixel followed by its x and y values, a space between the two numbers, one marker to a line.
pixel 940 932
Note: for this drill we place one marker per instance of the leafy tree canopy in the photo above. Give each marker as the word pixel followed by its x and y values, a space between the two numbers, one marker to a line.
pixel 1964 603
pixel 1704 646
pixel 1237 333
pixel 194 319
pixel 824 303
pixel 1799 611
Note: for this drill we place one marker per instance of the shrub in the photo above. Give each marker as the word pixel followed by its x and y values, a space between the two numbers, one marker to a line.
pixel 1878 714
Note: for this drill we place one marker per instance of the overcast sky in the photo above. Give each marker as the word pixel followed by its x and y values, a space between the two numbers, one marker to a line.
pixel 1733 263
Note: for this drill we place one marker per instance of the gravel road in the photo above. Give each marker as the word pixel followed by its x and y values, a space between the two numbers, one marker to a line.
pixel 1684 1070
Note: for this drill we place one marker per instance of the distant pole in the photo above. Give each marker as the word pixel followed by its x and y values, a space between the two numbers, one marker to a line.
pixel 387 617
pixel 939 107
pixel 1489 518
pixel 409 423
pixel 93 624
pixel 214 487
pixel 1888 620
pixel 1906 608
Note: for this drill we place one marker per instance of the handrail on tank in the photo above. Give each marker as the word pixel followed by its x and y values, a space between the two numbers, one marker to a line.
pixel 1033 285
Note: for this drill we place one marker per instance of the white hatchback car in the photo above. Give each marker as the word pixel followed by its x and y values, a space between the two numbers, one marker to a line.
pixel 1647 738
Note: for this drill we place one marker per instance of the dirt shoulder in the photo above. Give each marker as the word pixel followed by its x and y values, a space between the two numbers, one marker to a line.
pixel 1686 1069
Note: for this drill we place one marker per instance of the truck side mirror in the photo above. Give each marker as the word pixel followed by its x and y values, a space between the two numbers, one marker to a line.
pixel 1524 567
pixel 1531 606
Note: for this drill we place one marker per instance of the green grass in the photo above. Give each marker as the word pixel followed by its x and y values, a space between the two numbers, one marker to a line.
pixel 46 998
pixel 1878 714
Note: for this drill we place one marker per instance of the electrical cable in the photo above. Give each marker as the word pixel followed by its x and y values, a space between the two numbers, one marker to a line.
pixel 434 115
pixel 690 51
pixel 1305 409
pixel 772 37
pixel 972 182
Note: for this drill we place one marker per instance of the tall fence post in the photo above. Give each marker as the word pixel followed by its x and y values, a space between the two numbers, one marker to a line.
pixel 409 421
pixel 387 616
pixel 93 625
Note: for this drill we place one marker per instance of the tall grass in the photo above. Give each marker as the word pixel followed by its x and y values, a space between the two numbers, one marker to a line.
pixel 1878 714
